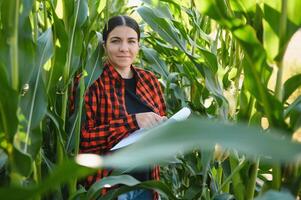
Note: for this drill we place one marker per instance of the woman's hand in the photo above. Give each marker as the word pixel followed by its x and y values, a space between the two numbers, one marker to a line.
pixel 149 119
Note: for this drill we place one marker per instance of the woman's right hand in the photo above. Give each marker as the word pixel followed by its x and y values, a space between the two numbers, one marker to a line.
pixel 149 119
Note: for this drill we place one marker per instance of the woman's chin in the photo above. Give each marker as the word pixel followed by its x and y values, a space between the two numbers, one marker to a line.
pixel 123 65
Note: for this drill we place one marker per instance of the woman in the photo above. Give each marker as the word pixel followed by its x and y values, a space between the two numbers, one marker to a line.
pixel 123 99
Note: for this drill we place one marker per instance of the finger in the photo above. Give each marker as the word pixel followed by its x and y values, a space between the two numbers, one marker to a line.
pixel 154 120
pixel 164 118
pixel 157 117
pixel 149 121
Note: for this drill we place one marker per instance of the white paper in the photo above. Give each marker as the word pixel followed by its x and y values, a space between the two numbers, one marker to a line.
pixel 135 136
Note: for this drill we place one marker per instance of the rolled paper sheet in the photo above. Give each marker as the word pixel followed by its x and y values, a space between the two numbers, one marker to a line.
pixel 89 160
pixel 135 136
pixel 181 114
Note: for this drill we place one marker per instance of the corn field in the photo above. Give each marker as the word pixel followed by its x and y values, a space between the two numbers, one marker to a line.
pixel 215 56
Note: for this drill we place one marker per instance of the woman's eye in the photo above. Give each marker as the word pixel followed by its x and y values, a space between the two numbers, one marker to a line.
pixel 114 41
pixel 132 41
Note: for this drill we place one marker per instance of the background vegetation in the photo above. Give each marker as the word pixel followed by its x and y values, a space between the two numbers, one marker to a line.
pixel 215 56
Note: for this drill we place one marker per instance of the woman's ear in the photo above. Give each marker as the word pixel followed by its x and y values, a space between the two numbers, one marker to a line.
pixel 104 47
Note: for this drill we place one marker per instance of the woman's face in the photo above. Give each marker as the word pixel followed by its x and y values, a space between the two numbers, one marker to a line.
pixel 122 46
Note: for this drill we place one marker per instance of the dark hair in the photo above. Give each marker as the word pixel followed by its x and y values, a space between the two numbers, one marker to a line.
pixel 121 20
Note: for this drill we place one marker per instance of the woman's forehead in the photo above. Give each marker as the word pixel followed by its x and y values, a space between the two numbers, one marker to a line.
pixel 123 32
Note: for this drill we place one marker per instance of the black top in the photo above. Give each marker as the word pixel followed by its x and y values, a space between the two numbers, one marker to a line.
pixel 134 105
pixel 132 102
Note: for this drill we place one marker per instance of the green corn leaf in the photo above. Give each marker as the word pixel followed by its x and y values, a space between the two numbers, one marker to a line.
pixel 76 51
pixel 293 112
pixel 58 122
pixel 60 175
pixel 224 196
pixel 172 35
pixel 257 71
pixel 93 6
pixel 68 10
pixel 9 27
pixel 161 10
pixel 63 173
pixel 166 140
pixel 3 158
pixel 158 186
pixel 4 58
pixel 271 28
pixel 44 48
pixel 81 8
pixel 271 106
pixel 293 12
pixel 213 86
pixel 293 106
pixel 211 59
pixel 275 195
pixel 111 181
pixel 35 142
pixel 218 10
pixel 276 44
pixel 26 8
pixel 7 11
pixel 244 6
pixel 34 102
pixel 8 107
pixel 17 193
pixel 18 157
pixel 79 194
pixel 73 121
pixel 26 51
pixel 290 86
pixel 54 84
pixel 157 64
pixel 168 32
pixel 94 66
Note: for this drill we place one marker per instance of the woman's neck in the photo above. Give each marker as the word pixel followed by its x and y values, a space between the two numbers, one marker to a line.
pixel 125 72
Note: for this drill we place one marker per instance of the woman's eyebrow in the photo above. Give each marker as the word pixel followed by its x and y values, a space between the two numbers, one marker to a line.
pixel 115 37
pixel 119 38
pixel 132 38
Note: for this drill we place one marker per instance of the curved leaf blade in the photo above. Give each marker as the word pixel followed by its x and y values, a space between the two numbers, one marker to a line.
pixel 275 195
pixel 290 86
pixel 82 9
pixel 160 25
pixel 130 184
pixel 167 140
pixel 34 103
pixel 60 175
pixel 8 107
pixel 153 58
pixel 110 181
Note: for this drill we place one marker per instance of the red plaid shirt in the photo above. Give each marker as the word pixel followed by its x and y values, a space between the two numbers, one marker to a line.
pixel 107 121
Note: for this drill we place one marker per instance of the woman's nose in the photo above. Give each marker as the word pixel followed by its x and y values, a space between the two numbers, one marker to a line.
pixel 124 46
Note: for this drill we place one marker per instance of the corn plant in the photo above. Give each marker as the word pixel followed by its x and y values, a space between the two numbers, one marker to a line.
pixel 242 44
pixel 202 51
pixel 249 37
pixel 195 67
pixel 44 45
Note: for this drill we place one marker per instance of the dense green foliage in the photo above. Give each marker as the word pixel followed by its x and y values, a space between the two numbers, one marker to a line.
pixel 215 56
